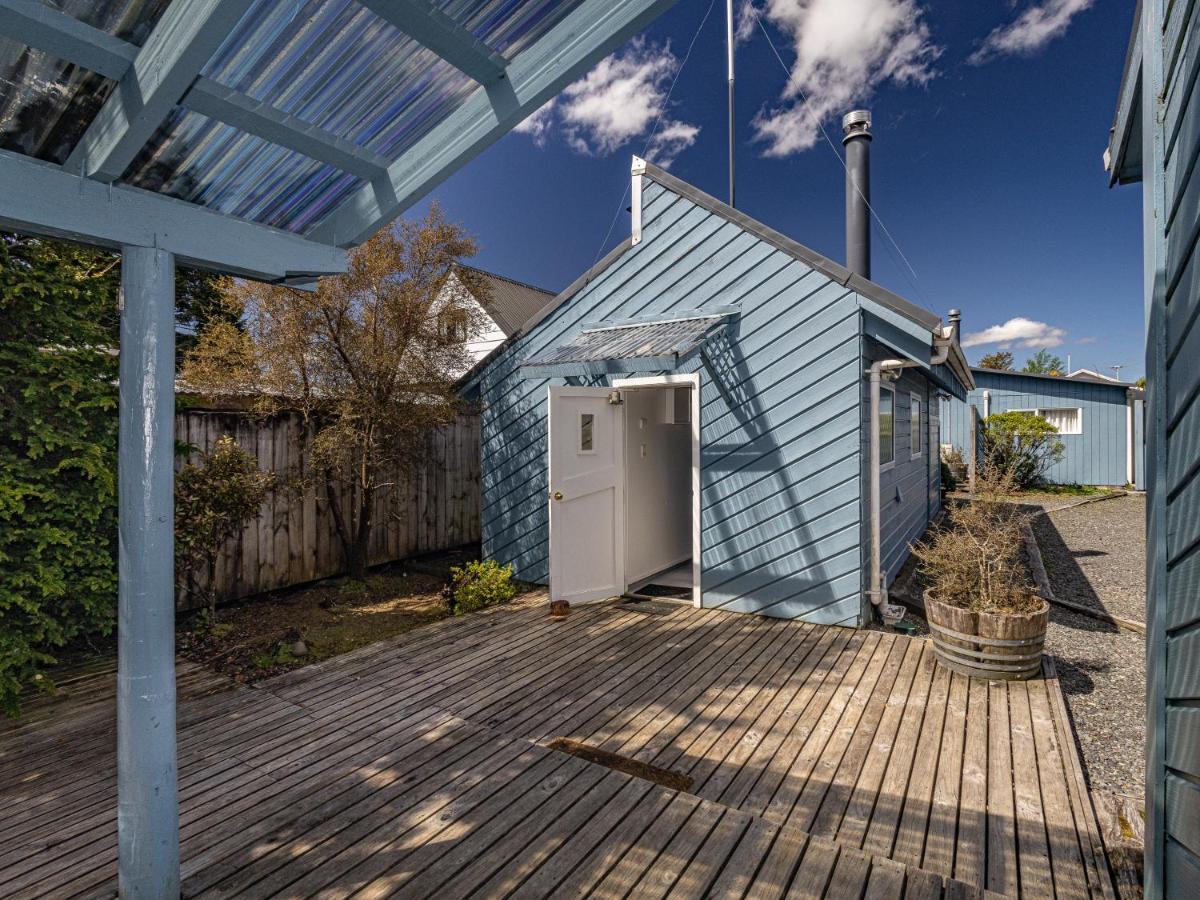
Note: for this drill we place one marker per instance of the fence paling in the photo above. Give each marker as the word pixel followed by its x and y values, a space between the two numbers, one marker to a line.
pixel 293 539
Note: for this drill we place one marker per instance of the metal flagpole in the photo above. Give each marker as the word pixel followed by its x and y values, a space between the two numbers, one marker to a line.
pixel 729 55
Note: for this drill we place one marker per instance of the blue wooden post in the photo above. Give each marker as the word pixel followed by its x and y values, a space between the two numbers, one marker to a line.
pixel 147 800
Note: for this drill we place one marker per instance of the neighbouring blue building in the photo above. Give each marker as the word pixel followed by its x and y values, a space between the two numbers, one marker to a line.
pixel 1155 139
pixel 696 410
pixel 1100 421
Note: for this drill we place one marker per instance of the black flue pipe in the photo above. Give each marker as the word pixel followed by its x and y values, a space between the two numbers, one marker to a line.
pixel 856 136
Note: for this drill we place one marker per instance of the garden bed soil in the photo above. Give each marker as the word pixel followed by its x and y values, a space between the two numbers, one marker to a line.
pixel 252 640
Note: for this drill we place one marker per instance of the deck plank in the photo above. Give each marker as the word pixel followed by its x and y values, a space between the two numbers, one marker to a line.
pixel 416 767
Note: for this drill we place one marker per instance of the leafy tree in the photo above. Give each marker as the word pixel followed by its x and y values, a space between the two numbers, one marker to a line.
pixel 367 360
pixel 214 498
pixel 1001 360
pixel 199 303
pixel 1141 382
pixel 1044 363
pixel 58 439
pixel 1020 446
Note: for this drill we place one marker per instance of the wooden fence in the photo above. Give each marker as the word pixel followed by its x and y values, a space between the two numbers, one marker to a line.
pixel 293 540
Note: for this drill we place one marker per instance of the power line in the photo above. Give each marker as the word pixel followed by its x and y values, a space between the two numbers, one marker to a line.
pixel 654 130
pixel 841 161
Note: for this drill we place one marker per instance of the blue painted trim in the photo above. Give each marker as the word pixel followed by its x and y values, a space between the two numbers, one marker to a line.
pixel 571 47
pixel 184 39
pixel 40 198
pixel 38 25
pixel 242 111
pixel 431 28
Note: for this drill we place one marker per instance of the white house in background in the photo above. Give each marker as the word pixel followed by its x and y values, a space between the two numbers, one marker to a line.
pixel 511 305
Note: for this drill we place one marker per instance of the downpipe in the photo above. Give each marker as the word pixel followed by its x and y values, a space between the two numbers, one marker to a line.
pixel 892 367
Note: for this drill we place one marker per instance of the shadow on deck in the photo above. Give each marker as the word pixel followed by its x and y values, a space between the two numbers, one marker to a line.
pixel 823 762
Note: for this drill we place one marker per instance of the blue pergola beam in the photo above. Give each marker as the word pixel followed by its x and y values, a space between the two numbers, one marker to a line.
pixel 32 22
pixel 572 47
pixel 242 111
pixel 40 198
pixel 433 29
pixel 185 38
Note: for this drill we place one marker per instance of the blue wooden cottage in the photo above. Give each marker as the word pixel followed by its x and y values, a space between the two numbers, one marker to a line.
pixel 1099 421
pixel 1155 139
pixel 696 410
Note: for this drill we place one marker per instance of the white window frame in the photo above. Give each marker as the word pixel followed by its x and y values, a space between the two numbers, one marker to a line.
pixel 916 429
pixel 1042 410
pixel 885 466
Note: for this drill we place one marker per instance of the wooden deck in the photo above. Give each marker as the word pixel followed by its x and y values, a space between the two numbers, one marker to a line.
pixel 824 762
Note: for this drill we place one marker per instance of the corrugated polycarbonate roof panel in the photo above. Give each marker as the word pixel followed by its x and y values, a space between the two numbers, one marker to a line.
pixel 673 337
pixel 196 159
pixel 46 103
pixel 508 26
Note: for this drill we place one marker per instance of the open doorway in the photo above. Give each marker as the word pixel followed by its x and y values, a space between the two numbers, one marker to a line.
pixel 624 490
pixel 659 553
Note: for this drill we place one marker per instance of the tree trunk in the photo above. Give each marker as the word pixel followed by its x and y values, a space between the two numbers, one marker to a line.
pixel 359 552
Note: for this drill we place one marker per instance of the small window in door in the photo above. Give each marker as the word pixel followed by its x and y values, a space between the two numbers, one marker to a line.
pixel 586 438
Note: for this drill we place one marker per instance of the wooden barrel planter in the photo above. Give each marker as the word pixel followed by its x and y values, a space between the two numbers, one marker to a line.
pixel 997 646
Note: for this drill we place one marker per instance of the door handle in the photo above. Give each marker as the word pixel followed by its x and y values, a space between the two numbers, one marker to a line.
pixel 558 495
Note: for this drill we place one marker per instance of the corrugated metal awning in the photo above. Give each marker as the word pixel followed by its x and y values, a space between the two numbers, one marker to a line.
pixel 631 346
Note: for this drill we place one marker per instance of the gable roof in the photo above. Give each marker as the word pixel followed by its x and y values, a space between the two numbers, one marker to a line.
pixel 823 264
pixel 512 303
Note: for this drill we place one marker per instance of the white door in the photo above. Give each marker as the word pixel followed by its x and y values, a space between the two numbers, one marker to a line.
pixel 587 522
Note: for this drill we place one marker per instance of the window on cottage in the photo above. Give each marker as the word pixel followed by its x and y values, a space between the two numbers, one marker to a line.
pixel 1067 421
pixel 914 416
pixel 887 428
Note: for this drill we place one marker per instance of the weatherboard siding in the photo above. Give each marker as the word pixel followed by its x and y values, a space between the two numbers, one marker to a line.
pixel 1176 336
pixel 779 419
pixel 1097 456
pixel 909 490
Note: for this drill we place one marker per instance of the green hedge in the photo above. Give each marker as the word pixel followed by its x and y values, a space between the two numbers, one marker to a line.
pixel 58 438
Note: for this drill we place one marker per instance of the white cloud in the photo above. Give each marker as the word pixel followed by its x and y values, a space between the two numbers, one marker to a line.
pixel 1018 332
pixel 844 50
pixel 537 124
pixel 1090 339
pixel 1029 32
pixel 619 100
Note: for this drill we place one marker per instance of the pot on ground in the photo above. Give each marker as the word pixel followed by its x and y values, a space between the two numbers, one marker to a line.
pixel 996 646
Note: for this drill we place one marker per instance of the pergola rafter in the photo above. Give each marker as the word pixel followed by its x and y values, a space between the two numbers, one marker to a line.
pixel 436 31
pixel 185 38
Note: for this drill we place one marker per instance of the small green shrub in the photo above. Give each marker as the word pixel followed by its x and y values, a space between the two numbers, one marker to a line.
pixel 213 502
pixel 1020 447
pixel 479 584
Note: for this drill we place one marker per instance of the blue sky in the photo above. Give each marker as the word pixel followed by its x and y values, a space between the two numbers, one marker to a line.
pixel 989 122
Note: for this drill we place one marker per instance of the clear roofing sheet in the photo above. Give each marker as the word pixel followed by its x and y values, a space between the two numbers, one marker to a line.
pixel 47 103
pixel 332 64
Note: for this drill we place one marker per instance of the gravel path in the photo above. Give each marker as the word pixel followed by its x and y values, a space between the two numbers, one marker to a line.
pixel 1095 555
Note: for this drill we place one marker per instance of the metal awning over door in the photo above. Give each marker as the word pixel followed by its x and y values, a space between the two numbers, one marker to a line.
pixel 635 345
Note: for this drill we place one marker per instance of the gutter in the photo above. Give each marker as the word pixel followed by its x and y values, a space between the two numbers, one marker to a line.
pixel 890 369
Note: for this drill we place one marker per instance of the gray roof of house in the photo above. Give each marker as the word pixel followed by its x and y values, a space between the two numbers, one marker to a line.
pixel 1087 379
pixel 512 303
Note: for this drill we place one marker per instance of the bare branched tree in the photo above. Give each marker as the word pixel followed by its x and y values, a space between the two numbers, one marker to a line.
pixel 368 360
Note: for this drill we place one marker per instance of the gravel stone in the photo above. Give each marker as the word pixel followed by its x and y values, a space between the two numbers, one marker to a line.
pixel 1095 555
